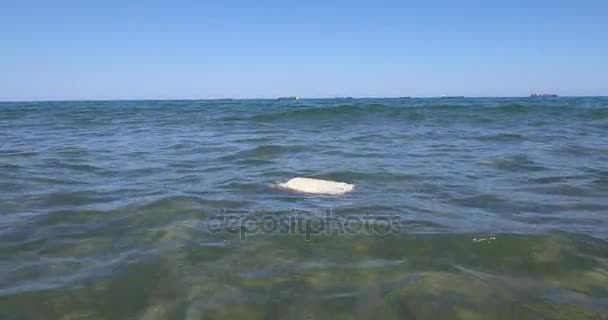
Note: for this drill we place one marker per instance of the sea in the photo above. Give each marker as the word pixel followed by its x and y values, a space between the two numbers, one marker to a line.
pixel 481 208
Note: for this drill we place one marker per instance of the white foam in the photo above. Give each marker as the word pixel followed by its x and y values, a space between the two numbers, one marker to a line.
pixel 316 186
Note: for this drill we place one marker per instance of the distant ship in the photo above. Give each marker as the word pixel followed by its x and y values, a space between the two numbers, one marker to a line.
pixel 543 95
pixel 288 98
pixel 452 97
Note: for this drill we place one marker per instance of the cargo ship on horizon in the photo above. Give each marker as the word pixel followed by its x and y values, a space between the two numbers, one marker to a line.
pixel 543 95
pixel 288 98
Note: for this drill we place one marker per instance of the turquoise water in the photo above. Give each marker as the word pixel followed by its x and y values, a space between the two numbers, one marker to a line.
pixel 463 209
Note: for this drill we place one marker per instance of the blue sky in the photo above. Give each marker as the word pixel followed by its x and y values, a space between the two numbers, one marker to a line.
pixel 251 49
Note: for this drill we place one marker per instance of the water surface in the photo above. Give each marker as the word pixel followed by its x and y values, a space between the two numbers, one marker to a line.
pixel 107 209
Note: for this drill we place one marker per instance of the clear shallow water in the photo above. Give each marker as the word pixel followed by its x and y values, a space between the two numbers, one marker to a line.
pixel 501 208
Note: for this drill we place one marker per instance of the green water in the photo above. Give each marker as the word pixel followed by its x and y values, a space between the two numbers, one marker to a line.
pixel 467 208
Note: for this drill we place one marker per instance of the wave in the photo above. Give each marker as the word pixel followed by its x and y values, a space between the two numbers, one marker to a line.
pixel 341 112
pixel 349 176
pixel 513 108
pixel 413 112
pixel 504 137
pixel 515 163
pixel 265 152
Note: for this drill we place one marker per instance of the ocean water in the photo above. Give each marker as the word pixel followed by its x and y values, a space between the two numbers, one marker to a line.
pixel 462 209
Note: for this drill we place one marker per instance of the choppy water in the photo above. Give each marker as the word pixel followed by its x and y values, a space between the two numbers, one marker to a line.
pixel 495 208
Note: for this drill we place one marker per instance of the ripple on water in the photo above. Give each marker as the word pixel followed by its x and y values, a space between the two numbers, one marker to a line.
pixel 514 163
pixel 265 152
pixel 504 137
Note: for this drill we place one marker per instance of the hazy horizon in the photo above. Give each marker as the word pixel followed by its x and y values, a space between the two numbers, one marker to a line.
pixel 299 98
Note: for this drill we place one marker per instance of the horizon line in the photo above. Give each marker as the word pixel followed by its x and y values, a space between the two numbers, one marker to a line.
pixel 299 98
